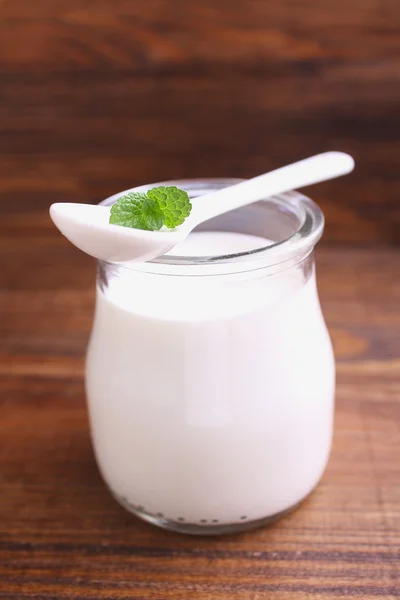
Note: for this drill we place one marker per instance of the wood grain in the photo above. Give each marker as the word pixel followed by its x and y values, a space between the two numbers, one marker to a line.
pixel 62 536
pixel 96 97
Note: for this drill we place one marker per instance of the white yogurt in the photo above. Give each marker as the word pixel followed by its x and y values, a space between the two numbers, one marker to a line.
pixel 211 398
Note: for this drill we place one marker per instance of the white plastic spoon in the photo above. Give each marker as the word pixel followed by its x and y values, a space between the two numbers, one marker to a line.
pixel 87 226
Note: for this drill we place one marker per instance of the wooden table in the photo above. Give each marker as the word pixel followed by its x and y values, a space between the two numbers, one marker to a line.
pixel 63 536
pixel 97 96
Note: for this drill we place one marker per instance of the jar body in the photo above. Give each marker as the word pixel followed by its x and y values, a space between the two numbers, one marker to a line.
pixel 210 398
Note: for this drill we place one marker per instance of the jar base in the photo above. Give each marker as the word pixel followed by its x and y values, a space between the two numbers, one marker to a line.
pixel 196 529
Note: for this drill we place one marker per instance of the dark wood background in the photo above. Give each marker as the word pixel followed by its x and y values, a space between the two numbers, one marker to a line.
pixel 100 95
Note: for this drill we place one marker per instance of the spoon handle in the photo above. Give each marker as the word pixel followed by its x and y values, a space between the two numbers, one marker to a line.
pixel 315 169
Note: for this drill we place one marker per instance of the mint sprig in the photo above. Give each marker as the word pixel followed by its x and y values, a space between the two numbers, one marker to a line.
pixel 164 205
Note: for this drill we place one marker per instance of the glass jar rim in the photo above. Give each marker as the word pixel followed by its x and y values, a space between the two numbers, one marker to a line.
pixel 299 244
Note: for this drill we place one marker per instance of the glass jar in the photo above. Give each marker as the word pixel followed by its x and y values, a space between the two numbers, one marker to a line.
pixel 210 380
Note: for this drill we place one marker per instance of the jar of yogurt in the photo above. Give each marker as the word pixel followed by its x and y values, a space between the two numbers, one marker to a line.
pixel 210 372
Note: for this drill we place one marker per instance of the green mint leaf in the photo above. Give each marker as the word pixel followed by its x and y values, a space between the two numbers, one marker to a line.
pixel 138 211
pixel 174 203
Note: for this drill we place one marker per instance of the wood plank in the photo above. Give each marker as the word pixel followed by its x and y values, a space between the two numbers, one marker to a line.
pixel 58 35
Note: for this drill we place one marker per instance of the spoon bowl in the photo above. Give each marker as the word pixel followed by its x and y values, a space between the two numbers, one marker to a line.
pixel 87 227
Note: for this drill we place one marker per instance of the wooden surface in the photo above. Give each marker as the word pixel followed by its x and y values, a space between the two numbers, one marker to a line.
pixel 62 536
pixel 100 95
